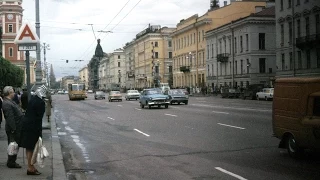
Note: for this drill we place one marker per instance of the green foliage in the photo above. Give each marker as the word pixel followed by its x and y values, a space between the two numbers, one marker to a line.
pixel 10 74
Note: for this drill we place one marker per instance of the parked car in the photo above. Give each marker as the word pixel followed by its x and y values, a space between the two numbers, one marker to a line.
pixel 177 96
pixel 99 95
pixel 251 91
pixel 114 95
pixel 154 97
pixel 265 93
pixel 90 91
pixel 60 92
pixel 66 92
pixel 132 94
pixel 296 114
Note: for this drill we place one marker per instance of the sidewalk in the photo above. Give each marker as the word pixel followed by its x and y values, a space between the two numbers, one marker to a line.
pixel 54 167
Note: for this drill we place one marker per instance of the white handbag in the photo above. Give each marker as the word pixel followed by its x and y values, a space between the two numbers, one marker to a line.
pixel 39 154
pixel 13 149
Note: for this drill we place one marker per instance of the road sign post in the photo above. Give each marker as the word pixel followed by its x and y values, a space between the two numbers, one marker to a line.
pixel 27 41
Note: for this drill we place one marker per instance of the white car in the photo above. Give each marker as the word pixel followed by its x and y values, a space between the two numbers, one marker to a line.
pixel 132 94
pixel 265 93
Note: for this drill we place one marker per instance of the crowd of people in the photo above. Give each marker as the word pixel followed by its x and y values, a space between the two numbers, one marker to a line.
pixel 23 120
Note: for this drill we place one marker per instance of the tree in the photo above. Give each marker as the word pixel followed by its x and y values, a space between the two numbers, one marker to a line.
pixel 10 74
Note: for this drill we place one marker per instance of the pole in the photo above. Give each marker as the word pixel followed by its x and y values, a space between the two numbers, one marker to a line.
pixel 28 73
pixel 293 40
pixel 45 63
pixel 38 68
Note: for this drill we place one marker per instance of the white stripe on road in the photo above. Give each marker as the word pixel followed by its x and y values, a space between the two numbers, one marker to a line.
pixel 110 118
pixel 171 115
pixel 235 108
pixel 231 126
pixel 218 112
pixel 120 105
pixel 137 109
pixel 230 173
pixel 142 132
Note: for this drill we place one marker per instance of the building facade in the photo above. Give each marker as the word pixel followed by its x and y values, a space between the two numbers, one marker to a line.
pixel 189 44
pixel 103 70
pixel 298 38
pixel 84 76
pixel 129 63
pixel 116 68
pixel 152 56
pixel 242 52
pixel 68 80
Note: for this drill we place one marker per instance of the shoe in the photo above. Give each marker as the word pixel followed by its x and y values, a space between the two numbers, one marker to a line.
pixel 36 172
pixel 16 165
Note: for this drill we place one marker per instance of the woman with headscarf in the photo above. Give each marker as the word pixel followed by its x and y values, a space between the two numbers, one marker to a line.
pixel 32 126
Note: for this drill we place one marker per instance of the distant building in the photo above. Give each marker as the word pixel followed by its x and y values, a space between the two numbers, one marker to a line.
pixel 242 52
pixel 130 65
pixel 69 80
pixel 298 38
pixel 84 76
pixel 117 68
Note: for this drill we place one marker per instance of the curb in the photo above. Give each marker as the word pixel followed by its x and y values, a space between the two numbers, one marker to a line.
pixel 58 169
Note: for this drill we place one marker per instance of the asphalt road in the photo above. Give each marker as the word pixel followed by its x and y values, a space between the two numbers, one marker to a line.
pixel 211 138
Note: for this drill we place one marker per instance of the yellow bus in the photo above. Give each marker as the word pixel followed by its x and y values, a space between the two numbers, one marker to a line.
pixel 77 91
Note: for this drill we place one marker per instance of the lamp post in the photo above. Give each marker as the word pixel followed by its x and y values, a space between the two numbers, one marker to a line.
pixel 45 47
pixel 190 57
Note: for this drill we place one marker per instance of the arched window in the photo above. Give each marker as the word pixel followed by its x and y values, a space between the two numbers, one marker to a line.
pixel 10 52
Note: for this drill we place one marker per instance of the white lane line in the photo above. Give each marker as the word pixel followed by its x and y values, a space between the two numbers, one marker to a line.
pixel 230 173
pixel 110 118
pixel 171 115
pixel 120 105
pixel 235 108
pixel 231 126
pixel 219 112
pixel 137 109
pixel 142 132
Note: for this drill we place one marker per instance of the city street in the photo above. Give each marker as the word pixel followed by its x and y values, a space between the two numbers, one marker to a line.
pixel 211 138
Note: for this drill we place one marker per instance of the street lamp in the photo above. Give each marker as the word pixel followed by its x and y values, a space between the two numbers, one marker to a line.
pixel 45 47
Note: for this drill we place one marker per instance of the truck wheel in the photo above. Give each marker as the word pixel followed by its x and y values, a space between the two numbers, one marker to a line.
pixel 293 149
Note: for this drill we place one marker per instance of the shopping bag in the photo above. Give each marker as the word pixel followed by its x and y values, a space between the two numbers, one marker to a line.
pixel 13 149
pixel 39 154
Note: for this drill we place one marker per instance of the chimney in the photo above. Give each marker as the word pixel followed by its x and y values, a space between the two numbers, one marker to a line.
pixel 225 3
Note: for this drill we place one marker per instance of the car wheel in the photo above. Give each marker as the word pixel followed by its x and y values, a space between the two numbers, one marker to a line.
pixel 166 106
pixel 178 103
pixel 171 103
pixel 141 105
pixel 258 98
pixel 293 149
pixel 159 106
pixel 186 103
pixel 149 106
pixel 266 98
pixel 121 100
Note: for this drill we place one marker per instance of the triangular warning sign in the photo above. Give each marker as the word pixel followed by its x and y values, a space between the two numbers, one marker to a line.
pixel 26 35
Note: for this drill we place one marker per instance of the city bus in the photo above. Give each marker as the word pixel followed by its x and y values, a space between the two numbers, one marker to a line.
pixel 76 91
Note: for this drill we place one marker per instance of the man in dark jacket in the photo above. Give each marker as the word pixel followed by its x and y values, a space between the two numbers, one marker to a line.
pixel 13 116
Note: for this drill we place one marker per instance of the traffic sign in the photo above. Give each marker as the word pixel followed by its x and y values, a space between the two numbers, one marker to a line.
pixel 27 47
pixel 26 35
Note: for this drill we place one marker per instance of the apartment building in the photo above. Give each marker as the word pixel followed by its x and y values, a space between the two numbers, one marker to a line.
pixel 129 64
pixel 84 76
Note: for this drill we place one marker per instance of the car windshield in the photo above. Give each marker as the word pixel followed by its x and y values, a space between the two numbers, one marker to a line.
pixel 150 92
pixel 176 92
pixel 115 92
pixel 99 92
pixel 133 91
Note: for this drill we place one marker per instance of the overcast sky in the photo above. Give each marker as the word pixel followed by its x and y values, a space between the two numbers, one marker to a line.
pixel 64 25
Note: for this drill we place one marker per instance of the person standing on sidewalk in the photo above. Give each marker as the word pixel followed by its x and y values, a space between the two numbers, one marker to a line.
pixel 13 116
pixel 24 100
pixel 32 126
pixel 1 113
pixel 48 105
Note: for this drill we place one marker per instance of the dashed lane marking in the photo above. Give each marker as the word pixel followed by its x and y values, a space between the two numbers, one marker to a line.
pixel 231 126
pixel 230 173
pixel 218 112
pixel 171 115
pixel 110 118
pixel 142 132
pixel 137 109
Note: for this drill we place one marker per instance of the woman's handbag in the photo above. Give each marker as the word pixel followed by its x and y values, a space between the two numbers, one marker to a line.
pixel 13 149
pixel 40 152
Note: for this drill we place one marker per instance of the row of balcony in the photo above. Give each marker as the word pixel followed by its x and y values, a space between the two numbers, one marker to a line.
pixel 308 42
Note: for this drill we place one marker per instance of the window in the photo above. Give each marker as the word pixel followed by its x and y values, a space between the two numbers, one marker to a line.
pixel 241 67
pixel 262 65
pixel 169 43
pixel 291 63
pixel 281 5
pixel 290 32
pixel 194 37
pixel 248 66
pixel 220 69
pixel 298 2
pixel 230 45
pixel 282 62
pixel 235 45
pixel 230 68
pixel 208 51
pixel 156 54
pixel 212 69
pixel 307 26
pixel 282 34
pixel 236 67
pixel 170 55
pixel 119 80
pixel 317 24
pixel 241 44
pixel 262 41
pixel 299 60
pixel 225 69
pixel 190 39
pixel 289 3
pixel 119 64
pixel 208 72
pixel 220 46
pixel 156 44
pixel 10 28
pixel 247 42
pixel 203 59
pixel 185 41
pixel 298 28
pixel 174 46
pixel 11 52
pixel 316 106
pixel 308 59
pixel 182 43
pixel 199 36
pixel 318 57
pixel 225 45
pixel 202 35
pixel 212 51
pixel 119 56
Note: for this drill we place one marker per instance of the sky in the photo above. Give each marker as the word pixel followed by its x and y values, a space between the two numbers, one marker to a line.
pixel 68 25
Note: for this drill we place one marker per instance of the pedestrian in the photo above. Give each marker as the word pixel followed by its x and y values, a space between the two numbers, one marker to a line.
pixel 48 101
pixel 32 126
pixel 1 112
pixel 24 100
pixel 16 98
pixel 13 116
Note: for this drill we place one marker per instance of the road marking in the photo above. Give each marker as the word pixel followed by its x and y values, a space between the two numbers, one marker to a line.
pixel 142 132
pixel 110 118
pixel 171 115
pixel 218 112
pixel 202 101
pixel 174 107
pixel 230 173
pixel 137 109
pixel 120 105
pixel 235 108
pixel 231 126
